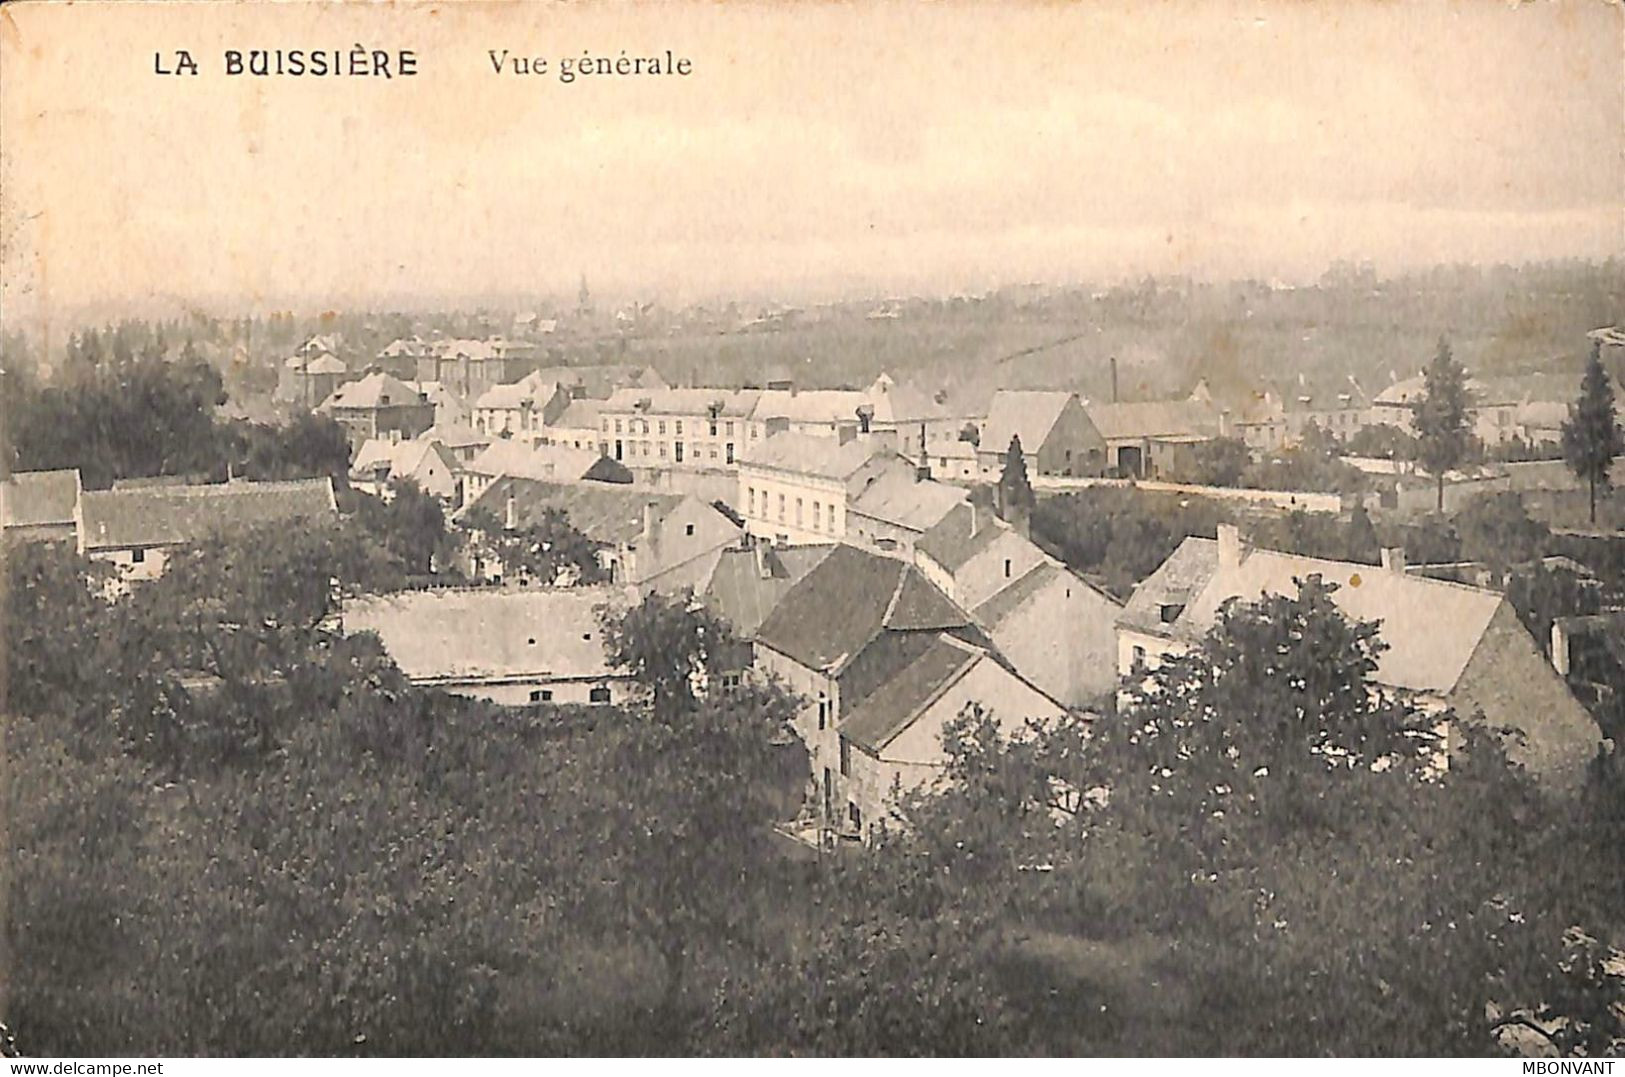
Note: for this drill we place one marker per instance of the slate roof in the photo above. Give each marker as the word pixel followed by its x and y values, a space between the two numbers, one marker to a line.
pixel 1026 413
pixel 454 435
pixel 736 403
pixel 397 458
pixel 742 586
pixel 603 512
pixel 323 363
pixel 176 515
pixel 1432 627
pixel 39 498
pixel 898 497
pixel 1153 418
pixel 848 599
pixel 532 388
pixel 376 390
pixel 951 542
pixel 581 414
pixel 1012 598
pixel 486 634
pixel 809 454
pixel 892 707
pixel 519 460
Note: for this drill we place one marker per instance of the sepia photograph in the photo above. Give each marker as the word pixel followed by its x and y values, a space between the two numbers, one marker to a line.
pixel 811 530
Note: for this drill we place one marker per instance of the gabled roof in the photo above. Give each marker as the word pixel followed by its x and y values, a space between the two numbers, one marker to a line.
pixel 895 704
pixel 1432 627
pixel 581 414
pixel 319 363
pixel 176 515
pixel 734 403
pixel 1025 413
pixel 482 634
pixel 532 389
pixel 521 461
pixel 39 498
pixel 600 380
pixel 742 586
pixel 1153 418
pixel 962 533
pixel 398 459
pixel 376 390
pixel 849 598
pixel 454 435
pixel 603 512
pixel 898 497
pixel 809 454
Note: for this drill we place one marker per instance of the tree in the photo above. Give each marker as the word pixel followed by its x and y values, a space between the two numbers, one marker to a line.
pixel 1591 434
pixel 1015 490
pixel 1442 417
pixel 549 549
pixel 707 765
pixel 410 524
pixel 1219 462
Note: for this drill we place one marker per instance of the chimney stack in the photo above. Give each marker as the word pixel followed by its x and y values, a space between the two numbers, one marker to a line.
pixel 1393 559
pixel 866 414
pixel 1229 546
pixel 1560 647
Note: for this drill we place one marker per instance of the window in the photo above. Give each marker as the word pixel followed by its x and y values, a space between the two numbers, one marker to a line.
pixel 855 817
pixel 1007 568
pixel 677 427
pixel 798 512
pixel 781 508
pixel 688 529
pixel 713 428
pixel 846 758
pixel 818 512
pixel 662 426
pixel 617 426
pixel 137 556
pixel 750 499
pixel 823 710
pixel 1170 611
pixel 728 428
pixel 730 454
pixel 713 452
pixel 677 450
pixel 600 694
pixel 541 695
pixel 832 517
pixel 730 681
pixel 662 450
pixel 1139 658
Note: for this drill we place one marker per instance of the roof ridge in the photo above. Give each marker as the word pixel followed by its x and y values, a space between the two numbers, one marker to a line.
pixel 896 593
pixel 972 657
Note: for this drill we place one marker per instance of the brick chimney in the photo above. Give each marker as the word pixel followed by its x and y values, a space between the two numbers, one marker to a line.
pixel 1393 559
pixel 1229 546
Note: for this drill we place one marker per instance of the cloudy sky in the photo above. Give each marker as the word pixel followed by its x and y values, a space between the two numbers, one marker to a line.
pixel 814 150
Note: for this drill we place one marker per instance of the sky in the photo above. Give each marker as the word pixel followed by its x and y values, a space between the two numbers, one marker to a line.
pixel 815 150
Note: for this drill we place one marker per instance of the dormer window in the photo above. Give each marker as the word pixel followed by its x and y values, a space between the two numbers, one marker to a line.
pixel 1170 611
